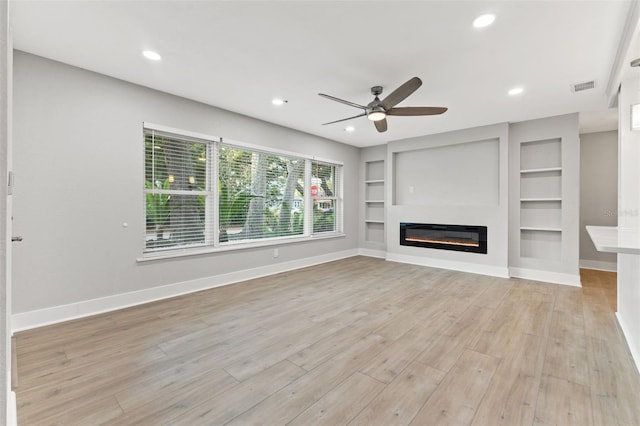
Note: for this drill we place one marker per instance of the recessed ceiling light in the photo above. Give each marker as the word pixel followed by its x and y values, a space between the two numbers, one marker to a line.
pixel 278 101
pixel 516 91
pixel 151 55
pixel 349 129
pixel 484 20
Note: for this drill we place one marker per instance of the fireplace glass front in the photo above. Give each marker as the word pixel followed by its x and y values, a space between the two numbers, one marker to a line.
pixel 444 237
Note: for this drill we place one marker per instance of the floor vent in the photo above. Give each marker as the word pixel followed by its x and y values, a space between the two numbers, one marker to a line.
pixel 579 87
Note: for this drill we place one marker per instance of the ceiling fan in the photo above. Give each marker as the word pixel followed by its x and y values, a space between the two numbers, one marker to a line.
pixel 378 110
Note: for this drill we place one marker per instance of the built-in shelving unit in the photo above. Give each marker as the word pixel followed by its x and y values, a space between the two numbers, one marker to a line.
pixel 541 199
pixel 544 199
pixel 374 201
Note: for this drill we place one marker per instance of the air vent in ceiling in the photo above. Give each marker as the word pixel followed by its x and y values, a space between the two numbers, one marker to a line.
pixel 579 87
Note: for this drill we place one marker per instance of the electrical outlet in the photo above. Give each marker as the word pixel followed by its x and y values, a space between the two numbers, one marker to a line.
pixel 275 253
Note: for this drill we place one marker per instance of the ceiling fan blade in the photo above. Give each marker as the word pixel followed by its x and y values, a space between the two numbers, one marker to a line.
pixel 409 111
pixel 381 125
pixel 401 93
pixel 345 119
pixel 342 101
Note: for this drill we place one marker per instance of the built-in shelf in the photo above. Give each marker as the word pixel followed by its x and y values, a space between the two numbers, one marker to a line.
pixel 614 239
pixel 543 170
pixel 540 244
pixel 530 200
pixel 541 214
pixel 541 200
pixel 374 201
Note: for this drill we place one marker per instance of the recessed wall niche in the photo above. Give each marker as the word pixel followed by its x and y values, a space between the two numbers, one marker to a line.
pixel 466 174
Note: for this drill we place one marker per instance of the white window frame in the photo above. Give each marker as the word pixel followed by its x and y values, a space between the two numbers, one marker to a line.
pixel 336 198
pixel 212 243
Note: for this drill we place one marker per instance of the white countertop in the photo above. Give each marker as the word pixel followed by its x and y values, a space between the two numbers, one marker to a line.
pixel 614 239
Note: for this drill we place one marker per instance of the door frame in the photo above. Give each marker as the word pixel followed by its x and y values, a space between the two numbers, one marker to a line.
pixel 7 397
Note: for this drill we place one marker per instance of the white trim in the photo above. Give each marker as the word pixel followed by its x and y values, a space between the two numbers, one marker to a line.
pixel 12 409
pixel 633 346
pixel 546 276
pixel 599 265
pixel 339 189
pixel 41 317
pixel 629 35
pixel 308 202
pixel 382 254
pixel 171 253
pixel 212 226
pixel 179 132
pixel 474 268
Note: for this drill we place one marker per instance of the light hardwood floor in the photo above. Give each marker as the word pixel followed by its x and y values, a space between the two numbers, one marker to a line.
pixel 359 341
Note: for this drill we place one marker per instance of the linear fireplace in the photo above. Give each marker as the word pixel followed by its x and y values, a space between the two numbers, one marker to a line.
pixel 444 237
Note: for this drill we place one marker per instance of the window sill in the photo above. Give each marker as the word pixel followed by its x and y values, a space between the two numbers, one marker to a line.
pixel 172 254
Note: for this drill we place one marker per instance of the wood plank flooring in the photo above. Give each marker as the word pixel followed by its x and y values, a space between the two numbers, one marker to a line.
pixel 359 341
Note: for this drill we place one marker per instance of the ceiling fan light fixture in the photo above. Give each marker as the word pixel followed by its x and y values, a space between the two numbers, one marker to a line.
pixel 377 113
pixel 376 116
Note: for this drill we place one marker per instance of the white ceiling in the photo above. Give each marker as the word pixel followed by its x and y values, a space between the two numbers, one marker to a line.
pixel 238 55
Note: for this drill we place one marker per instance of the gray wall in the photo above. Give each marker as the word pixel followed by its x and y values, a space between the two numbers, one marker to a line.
pixel 598 193
pixel 466 174
pixel 79 165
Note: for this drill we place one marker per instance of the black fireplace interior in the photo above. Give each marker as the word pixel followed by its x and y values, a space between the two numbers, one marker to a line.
pixel 445 237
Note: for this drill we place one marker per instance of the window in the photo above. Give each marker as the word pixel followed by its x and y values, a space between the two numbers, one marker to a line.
pixel 177 191
pixel 261 195
pixel 201 192
pixel 324 191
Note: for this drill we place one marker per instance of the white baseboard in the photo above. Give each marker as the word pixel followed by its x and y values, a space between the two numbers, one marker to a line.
pixel 382 254
pixel 546 276
pixel 474 268
pixel 32 319
pixel 12 409
pixel 631 344
pixel 599 265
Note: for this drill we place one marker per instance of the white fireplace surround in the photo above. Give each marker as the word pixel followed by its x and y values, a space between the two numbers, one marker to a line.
pixel 454 178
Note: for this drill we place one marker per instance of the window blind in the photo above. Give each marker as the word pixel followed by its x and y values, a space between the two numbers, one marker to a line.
pixel 325 193
pixel 177 191
pixel 261 195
